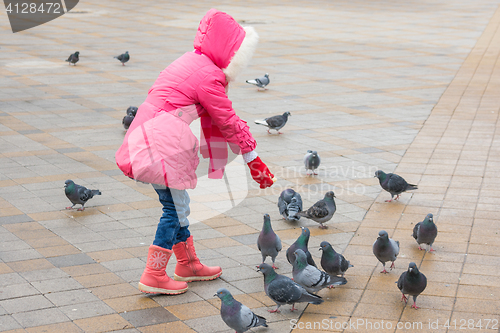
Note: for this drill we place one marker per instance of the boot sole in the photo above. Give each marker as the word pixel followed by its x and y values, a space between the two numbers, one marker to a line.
pixel 152 290
pixel 196 278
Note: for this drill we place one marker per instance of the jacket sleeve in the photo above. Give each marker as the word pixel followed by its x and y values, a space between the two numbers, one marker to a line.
pixel 212 96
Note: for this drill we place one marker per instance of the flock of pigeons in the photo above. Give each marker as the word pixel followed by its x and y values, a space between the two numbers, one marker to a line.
pixel 307 279
pixel 75 57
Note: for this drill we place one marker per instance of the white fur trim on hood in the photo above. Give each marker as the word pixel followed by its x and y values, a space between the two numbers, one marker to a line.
pixel 242 57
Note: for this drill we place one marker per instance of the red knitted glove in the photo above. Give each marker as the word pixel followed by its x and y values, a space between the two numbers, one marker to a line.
pixel 260 173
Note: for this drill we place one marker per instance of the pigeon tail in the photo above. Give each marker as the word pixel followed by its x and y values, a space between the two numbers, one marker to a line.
pixel 411 187
pixel 261 122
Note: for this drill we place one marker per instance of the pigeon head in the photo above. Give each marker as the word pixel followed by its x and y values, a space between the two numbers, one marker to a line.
pixel 266 75
pixel 429 218
pixel 69 182
pixel 329 195
pixel 77 53
pixel 413 269
pixel 286 114
pixel 325 246
pixel 267 224
pixel 223 294
pixel 288 194
pixel 383 235
pixel 380 174
pixel 267 270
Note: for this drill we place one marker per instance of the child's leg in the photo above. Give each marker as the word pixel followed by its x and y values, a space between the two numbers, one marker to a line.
pixel 169 225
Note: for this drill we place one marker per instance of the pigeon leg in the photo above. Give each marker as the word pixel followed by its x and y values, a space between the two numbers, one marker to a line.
pixel 279 132
pixel 322 226
pixel 275 267
pixel 268 131
pixel 71 207
pixel 432 250
pixel 123 64
pixel 404 298
pixel 384 271
pixel 81 209
pixel 420 248
pixel 390 200
pixel 392 266
pixel 275 310
pixel 397 197
pixel 331 286
pixel 415 306
pixel 293 308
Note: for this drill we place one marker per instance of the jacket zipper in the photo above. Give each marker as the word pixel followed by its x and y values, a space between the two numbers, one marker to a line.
pixel 191 259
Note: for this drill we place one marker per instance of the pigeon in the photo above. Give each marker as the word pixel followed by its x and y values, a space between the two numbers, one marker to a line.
pixel 425 232
pixel 322 211
pixel 300 243
pixel 78 194
pixel 236 315
pixel 269 243
pixel 73 58
pixel 311 161
pixel 310 277
pixel 289 204
pixel 332 262
pixel 132 110
pixel 124 57
pixel 260 82
pixel 412 283
pixel 283 290
pixel 385 249
pixel 275 122
pixel 127 120
pixel 393 184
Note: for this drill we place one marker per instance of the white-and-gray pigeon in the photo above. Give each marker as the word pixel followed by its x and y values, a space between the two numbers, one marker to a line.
pixel 275 122
pixel 425 232
pixel 73 58
pixel 289 204
pixel 394 184
pixel 322 211
pixel 300 243
pixel 236 315
pixel 310 277
pixel 412 283
pixel 311 161
pixel 78 194
pixel 332 262
pixel 283 290
pixel 124 57
pixel 260 82
pixel 385 249
pixel 269 243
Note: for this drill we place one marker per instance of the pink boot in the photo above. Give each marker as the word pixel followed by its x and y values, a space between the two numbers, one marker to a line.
pixel 188 266
pixel 155 280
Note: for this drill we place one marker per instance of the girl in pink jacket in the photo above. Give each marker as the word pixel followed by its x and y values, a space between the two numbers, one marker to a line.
pixel 159 147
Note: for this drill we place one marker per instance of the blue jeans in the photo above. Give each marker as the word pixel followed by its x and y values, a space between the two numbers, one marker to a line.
pixel 173 225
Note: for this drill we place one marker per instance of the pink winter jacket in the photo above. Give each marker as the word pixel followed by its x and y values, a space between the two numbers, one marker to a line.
pixel 159 147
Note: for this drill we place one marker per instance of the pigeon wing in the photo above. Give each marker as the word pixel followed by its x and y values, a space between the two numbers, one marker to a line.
pixel 284 290
pixel 275 121
pixel 416 228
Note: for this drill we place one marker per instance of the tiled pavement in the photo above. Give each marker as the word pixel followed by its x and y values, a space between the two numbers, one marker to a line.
pixel 410 87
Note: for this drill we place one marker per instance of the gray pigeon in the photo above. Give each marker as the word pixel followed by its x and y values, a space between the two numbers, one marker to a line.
pixel 132 110
pixel 412 283
pixel 425 232
pixel 310 277
pixel 322 211
pixel 300 243
pixel 283 290
pixel 124 57
pixel 260 82
pixel 385 249
pixel 127 120
pixel 311 161
pixel 289 204
pixel 393 184
pixel 269 243
pixel 73 58
pixel 332 262
pixel 78 194
pixel 236 315
pixel 274 122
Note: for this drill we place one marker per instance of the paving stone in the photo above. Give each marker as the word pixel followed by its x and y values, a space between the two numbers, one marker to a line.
pixel 148 317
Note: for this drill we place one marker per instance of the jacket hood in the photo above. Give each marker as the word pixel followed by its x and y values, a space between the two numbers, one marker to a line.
pixel 225 42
